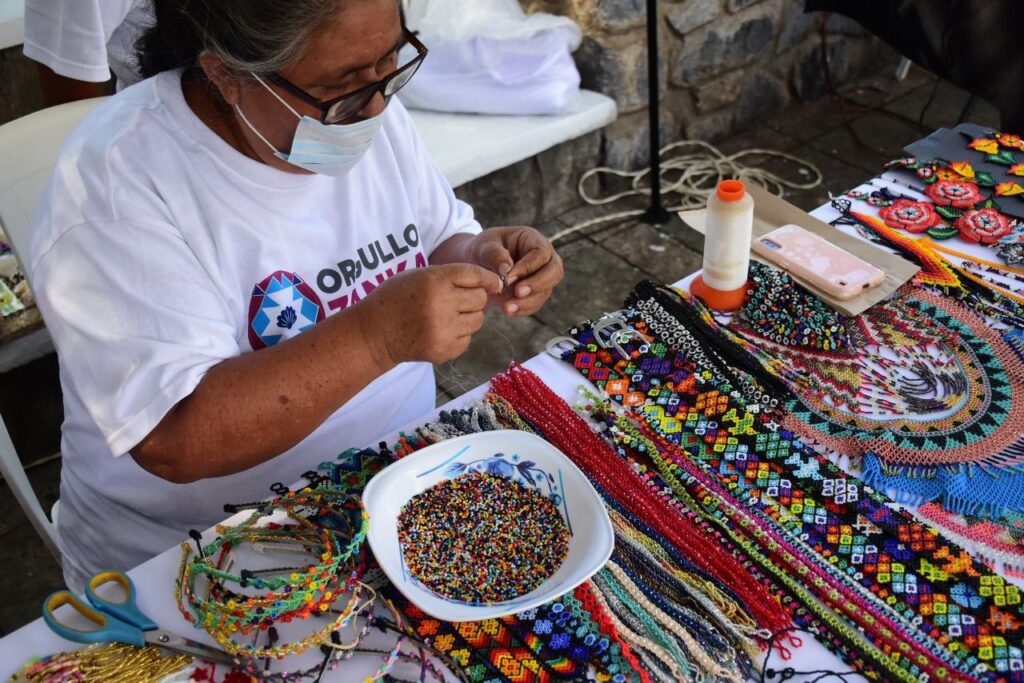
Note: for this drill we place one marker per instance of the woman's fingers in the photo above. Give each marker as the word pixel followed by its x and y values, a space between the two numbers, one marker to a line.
pixel 544 279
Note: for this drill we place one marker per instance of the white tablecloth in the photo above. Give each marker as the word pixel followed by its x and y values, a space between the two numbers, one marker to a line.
pixel 155 578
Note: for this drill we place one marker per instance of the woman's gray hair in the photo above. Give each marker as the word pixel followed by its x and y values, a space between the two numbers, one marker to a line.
pixel 248 35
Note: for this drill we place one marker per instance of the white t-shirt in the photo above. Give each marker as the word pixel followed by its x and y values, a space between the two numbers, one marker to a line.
pixel 160 251
pixel 87 39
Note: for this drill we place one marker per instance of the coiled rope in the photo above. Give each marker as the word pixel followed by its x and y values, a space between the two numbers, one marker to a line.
pixel 689 177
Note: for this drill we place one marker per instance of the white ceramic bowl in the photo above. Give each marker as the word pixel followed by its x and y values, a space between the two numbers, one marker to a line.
pixel 521 456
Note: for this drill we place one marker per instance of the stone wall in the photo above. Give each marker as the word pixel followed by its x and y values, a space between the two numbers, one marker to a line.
pixel 724 65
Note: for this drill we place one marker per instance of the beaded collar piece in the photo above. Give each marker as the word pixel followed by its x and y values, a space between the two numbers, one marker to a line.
pixel 864 553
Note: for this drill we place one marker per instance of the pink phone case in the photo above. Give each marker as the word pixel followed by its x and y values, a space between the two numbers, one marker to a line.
pixel 834 271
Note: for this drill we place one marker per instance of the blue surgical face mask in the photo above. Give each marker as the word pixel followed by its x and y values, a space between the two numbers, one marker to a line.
pixel 319 148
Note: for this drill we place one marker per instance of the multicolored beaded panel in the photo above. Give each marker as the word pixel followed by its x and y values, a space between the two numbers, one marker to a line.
pixel 992 291
pixel 651 616
pixel 799 512
pixel 923 382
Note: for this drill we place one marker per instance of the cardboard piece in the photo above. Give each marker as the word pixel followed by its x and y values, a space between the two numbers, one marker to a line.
pixel 771 212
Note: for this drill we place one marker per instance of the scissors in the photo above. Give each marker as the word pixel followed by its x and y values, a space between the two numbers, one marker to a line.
pixel 121 622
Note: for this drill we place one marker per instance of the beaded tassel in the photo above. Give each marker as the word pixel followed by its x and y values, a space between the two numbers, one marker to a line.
pixel 115 663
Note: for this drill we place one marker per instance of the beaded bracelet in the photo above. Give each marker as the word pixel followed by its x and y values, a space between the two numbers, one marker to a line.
pixel 909 628
pixel 323 528
pixel 805 596
pixel 902 633
pixel 908 625
pixel 536 403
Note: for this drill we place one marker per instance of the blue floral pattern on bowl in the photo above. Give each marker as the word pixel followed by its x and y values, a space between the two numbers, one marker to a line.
pixel 524 472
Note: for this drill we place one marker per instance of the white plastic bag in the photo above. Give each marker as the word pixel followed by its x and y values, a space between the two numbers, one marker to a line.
pixel 489 57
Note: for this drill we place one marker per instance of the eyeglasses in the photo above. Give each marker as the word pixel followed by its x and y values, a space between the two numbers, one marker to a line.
pixel 345 108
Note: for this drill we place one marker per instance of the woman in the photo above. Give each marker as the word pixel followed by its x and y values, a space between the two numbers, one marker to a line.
pixel 259 191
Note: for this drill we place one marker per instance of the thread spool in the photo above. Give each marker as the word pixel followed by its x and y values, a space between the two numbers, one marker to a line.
pixel 729 225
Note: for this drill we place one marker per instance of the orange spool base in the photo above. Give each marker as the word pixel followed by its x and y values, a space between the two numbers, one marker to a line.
pixel 716 298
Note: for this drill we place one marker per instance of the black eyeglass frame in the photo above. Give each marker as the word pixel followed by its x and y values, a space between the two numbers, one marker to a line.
pixel 361 96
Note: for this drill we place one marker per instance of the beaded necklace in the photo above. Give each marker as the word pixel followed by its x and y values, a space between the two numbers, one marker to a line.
pixel 984 495
pixel 879 514
pixel 673 582
pixel 966 277
pixel 892 631
pixel 929 394
pixel 534 401
pixel 593 455
pixel 453 423
pixel 670 478
pixel 1004 279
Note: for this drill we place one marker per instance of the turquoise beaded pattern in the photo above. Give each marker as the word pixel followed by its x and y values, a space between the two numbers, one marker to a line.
pixel 773 469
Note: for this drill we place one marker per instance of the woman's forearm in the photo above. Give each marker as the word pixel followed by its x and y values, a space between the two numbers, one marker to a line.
pixel 249 409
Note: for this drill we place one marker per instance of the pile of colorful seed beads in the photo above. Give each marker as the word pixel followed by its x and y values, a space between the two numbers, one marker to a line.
pixel 781 310
pixel 481 538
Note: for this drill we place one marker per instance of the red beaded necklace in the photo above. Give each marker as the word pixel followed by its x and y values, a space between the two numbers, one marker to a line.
pixel 536 403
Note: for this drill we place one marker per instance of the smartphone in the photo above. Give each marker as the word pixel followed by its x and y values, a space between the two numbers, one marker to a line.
pixel 834 271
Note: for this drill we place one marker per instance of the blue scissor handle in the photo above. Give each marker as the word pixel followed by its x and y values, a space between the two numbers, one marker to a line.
pixel 111 629
pixel 125 610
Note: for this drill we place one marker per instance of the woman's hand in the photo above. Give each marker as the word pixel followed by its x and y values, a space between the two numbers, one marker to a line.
pixel 525 260
pixel 427 314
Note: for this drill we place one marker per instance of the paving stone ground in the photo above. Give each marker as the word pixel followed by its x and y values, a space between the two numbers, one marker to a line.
pixel 602 264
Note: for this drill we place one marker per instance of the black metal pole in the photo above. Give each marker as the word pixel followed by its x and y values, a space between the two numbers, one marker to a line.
pixel 656 213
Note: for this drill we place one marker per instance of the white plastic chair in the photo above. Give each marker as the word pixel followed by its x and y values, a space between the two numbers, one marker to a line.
pixel 28 151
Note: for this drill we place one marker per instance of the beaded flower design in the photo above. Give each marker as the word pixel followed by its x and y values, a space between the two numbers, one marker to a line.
pixel 822 525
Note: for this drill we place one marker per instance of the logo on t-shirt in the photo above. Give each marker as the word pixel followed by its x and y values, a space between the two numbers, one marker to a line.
pixel 282 305
pixel 352 279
